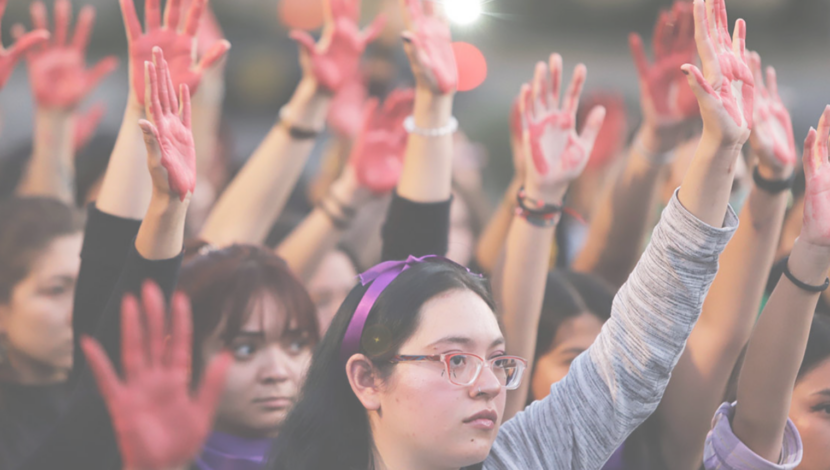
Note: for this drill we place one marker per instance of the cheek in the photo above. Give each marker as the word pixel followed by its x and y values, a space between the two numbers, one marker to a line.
pixel 422 403
pixel 547 373
pixel 815 436
pixel 40 317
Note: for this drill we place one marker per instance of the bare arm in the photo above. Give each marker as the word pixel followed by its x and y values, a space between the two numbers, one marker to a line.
pixel 51 172
pixel 618 230
pixel 556 156
pixel 779 340
pixel 730 309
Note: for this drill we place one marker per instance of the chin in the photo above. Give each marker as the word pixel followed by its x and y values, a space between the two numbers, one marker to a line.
pixel 473 452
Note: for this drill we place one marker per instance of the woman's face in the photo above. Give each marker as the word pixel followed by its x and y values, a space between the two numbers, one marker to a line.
pixel 330 285
pixel 810 411
pixel 264 380
pixel 425 419
pixel 37 321
pixel 574 336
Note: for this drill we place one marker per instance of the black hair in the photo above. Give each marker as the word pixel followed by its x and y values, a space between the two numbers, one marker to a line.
pixel 329 429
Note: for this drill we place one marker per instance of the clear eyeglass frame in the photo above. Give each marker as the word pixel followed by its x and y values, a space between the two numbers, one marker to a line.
pixel 508 369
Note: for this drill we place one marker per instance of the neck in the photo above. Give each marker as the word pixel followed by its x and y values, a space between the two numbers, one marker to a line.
pixel 26 371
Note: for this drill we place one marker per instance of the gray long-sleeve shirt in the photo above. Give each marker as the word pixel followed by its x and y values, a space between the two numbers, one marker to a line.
pixel 619 381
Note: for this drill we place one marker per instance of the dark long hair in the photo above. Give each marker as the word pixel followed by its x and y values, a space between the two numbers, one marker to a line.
pixel 328 429
pixel 225 285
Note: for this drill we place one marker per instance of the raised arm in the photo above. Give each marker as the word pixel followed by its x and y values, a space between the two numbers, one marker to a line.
pixel 60 81
pixel 264 184
pixel 620 380
pixel 556 155
pixel 779 340
pixel 417 222
pixel 374 168
pixel 698 381
pixel 125 191
pixel 619 227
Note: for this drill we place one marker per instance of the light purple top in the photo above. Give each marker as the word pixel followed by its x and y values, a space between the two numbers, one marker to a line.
pixel 725 451
pixel 226 452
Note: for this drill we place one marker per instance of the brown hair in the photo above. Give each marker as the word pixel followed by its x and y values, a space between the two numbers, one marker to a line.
pixel 224 286
pixel 27 226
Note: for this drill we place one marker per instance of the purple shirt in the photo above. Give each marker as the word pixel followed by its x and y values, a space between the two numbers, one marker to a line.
pixel 725 451
pixel 225 452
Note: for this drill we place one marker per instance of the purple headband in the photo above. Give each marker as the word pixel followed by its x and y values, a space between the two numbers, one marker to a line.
pixel 380 276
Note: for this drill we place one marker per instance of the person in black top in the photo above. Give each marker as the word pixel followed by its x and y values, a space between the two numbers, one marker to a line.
pixel 39 244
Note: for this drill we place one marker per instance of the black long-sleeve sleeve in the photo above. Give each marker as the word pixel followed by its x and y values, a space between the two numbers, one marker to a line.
pixel 414 228
pixel 84 437
pixel 107 242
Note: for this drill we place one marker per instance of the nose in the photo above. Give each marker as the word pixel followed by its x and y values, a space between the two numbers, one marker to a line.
pixel 487 384
pixel 276 366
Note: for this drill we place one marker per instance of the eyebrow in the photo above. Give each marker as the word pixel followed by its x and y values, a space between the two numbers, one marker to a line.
pixel 825 392
pixel 250 334
pixel 464 341
pixel 574 351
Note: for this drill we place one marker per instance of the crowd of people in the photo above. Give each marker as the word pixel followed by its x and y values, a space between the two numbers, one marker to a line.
pixel 613 312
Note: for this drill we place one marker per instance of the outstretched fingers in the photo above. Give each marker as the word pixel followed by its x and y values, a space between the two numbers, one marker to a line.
pixel 739 40
pixel 132 339
pixel 184 92
pixel 539 88
pixel 194 16
pixel 373 30
pixel 820 148
pixel 213 384
pixel 571 103
pixel 130 19
pixel 701 88
pixel 83 29
pixel 172 14
pixel 772 84
pixel 811 164
pixel 215 54
pixel 638 53
pixel 63 14
pixel 555 65
pixel 151 92
pixel 152 14
pixel 593 126
pixel 154 312
pixel 103 68
pixel 27 41
pixel 182 332
pixel 105 375
pixel 704 35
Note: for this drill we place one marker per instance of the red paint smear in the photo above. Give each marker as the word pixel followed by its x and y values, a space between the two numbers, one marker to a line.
pixel 472 66
pixel 301 14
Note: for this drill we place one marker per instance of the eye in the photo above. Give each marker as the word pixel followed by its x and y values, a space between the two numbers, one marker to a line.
pixel 458 361
pixel 822 408
pixel 54 291
pixel 244 351
pixel 298 346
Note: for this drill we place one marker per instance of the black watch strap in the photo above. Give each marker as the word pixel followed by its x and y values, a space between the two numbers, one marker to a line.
pixel 772 186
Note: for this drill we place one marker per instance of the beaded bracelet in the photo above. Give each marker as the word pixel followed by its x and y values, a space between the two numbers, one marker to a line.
pixel 450 128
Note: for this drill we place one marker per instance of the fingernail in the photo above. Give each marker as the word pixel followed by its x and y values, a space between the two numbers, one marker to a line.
pixel 406 39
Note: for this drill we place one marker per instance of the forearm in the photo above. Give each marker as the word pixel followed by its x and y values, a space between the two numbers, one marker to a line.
pixel 427 169
pixel 775 353
pixel 51 172
pixel 618 230
pixel 207 116
pixel 255 198
pixel 308 244
pixel 707 185
pixel 527 252
pixel 491 242
pixel 161 235
pixel 126 189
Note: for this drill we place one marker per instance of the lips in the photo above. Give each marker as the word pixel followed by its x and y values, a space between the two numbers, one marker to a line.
pixel 485 420
pixel 275 403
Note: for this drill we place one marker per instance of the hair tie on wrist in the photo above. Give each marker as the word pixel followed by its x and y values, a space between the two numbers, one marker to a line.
pixel 803 285
pixel 296 133
pixel 534 207
pixel 772 186
pixel 449 129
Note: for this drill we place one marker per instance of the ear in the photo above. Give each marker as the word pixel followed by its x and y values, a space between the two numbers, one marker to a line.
pixel 364 381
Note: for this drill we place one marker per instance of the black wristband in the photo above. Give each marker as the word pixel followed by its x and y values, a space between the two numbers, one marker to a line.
pixel 297 133
pixel 339 223
pixel 534 207
pixel 772 186
pixel 802 285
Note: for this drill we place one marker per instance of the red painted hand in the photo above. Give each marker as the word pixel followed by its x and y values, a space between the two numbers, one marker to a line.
pixel 335 59
pixel 176 44
pixel 86 124
pixel 347 108
pixel 157 422
pixel 168 135
pixel 428 44
pixel 726 89
pixel 667 101
pixel 558 153
pixel 614 132
pixel 772 135
pixel 379 150
pixel 9 57
pixel 57 69
pixel 816 224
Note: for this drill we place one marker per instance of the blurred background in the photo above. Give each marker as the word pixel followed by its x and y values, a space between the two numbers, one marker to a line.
pixel 262 68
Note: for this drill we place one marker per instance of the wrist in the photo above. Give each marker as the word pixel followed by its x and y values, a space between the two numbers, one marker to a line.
pixel 553 195
pixel 309 105
pixel 809 262
pixel 167 205
pixel 432 111
pixel 774 173
pixel 716 138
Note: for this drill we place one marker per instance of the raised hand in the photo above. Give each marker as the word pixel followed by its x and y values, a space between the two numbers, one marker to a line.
pixel 379 150
pixel 175 39
pixel 726 89
pixel 816 225
pixel 428 44
pixel 157 421
pixel 614 130
pixel 86 124
pixel 347 108
pixel 57 69
pixel 772 135
pixel 168 134
pixel 9 57
pixel 667 102
pixel 558 154
pixel 334 60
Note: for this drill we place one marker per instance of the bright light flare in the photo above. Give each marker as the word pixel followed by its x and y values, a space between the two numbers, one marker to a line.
pixel 463 11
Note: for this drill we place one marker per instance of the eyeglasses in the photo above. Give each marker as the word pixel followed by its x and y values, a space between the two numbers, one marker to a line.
pixel 464 369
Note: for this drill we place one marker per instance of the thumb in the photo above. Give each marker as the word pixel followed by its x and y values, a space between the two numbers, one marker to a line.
pixel 305 41
pixel 592 128
pixel 212 386
pixel 700 87
pixel 151 137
